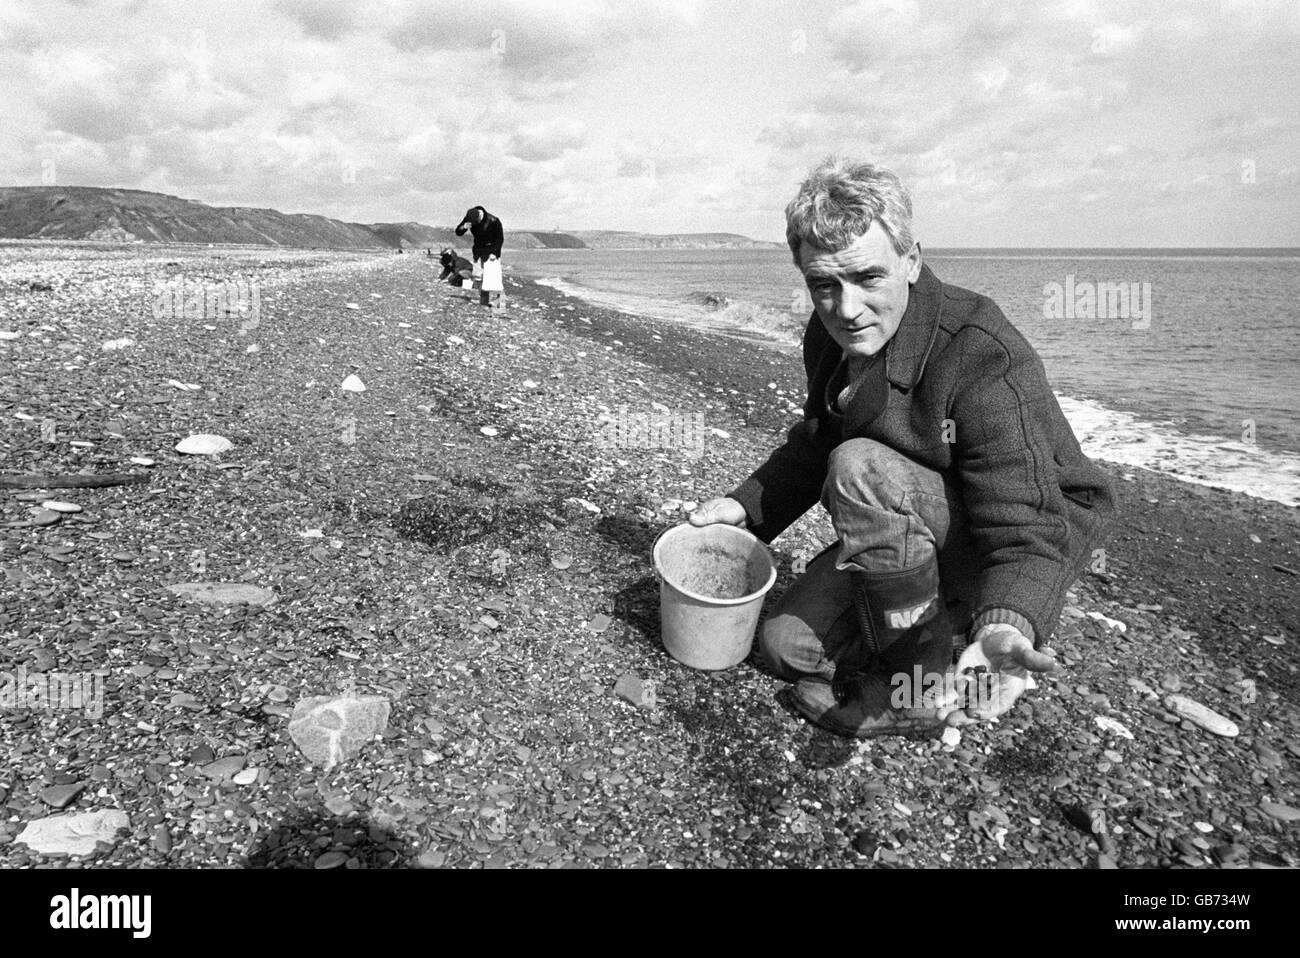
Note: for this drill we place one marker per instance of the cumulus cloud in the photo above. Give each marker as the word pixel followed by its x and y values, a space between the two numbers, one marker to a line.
pixel 95 93
pixel 325 19
pixel 535 42
pixel 20 30
pixel 539 142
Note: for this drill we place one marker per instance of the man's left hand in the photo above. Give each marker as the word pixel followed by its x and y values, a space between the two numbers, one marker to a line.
pixel 1006 656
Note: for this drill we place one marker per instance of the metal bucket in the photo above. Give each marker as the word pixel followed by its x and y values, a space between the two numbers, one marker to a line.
pixel 712 580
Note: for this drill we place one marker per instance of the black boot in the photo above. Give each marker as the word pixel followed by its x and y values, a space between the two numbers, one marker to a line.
pixel 906 643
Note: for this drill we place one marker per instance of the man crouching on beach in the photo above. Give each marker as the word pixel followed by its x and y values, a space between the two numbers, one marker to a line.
pixel 961 499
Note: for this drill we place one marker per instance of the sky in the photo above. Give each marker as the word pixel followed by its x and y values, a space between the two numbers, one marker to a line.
pixel 1037 123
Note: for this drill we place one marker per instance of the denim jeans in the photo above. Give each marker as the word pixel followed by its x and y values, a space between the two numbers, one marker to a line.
pixel 890 514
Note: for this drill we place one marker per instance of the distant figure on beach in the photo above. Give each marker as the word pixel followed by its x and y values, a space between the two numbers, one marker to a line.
pixel 963 504
pixel 488 239
pixel 455 266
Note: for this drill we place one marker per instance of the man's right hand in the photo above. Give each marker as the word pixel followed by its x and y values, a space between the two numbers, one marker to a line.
pixel 724 510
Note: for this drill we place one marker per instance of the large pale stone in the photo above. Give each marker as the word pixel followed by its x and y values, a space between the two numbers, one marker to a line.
pixel 73 834
pixel 223 593
pixel 1201 715
pixel 330 729
pixel 204 444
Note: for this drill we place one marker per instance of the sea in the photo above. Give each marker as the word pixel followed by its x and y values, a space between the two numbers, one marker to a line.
pixel 1182 361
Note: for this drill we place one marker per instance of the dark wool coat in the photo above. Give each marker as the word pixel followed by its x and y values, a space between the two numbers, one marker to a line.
pixel 488 233
pixel 1035 505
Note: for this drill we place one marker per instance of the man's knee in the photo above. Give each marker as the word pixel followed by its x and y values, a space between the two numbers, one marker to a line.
pixel 780 638
pixel 866 472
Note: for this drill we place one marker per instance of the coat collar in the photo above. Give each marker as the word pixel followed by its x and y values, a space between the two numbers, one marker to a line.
pixel 910 346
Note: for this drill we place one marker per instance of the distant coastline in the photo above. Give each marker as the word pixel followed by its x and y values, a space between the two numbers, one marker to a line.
pixel 109 215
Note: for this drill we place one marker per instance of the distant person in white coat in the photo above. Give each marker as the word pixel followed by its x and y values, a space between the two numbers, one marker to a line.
pixel 488 240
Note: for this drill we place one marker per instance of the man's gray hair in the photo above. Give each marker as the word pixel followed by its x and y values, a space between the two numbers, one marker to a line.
pixel 838 201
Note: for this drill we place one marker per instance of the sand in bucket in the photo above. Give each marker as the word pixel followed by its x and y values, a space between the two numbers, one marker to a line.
pixel 712 583
pixel 716 573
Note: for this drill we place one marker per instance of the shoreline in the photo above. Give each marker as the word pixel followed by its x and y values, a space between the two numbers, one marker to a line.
pixel 473 585
pixel 1107 433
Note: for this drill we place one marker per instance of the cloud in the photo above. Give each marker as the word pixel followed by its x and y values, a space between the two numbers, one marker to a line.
pixel 539 142
pixel 535 42
pixel 102 96
pixel 20 30
pixel 661 158
pixel 325 19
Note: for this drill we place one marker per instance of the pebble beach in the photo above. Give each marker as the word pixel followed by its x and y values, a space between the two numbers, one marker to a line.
pixel 418 513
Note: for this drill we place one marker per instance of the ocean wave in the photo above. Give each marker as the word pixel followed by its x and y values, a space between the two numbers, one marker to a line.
pixel 1206 460
pixel 705 310
pixel 753 319
pixel 711 300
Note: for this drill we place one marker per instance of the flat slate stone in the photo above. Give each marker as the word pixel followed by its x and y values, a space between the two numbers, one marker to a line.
pixel 203 755
pixel 224 769
pixel 162 840
pixel 42 661
pixel 61 796
pixel 224 593
pixel 185 700
pixel 1283 812
pixel 635 691
pixel 1269 758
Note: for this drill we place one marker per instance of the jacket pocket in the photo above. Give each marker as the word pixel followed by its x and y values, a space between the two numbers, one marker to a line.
pixel 1075 483
pixel 1082 497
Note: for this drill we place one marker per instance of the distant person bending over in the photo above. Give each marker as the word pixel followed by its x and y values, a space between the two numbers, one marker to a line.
pixel 488 238
pixel 961 499
pixel 456 266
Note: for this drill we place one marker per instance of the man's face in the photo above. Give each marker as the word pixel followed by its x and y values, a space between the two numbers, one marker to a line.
pixel 860 293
